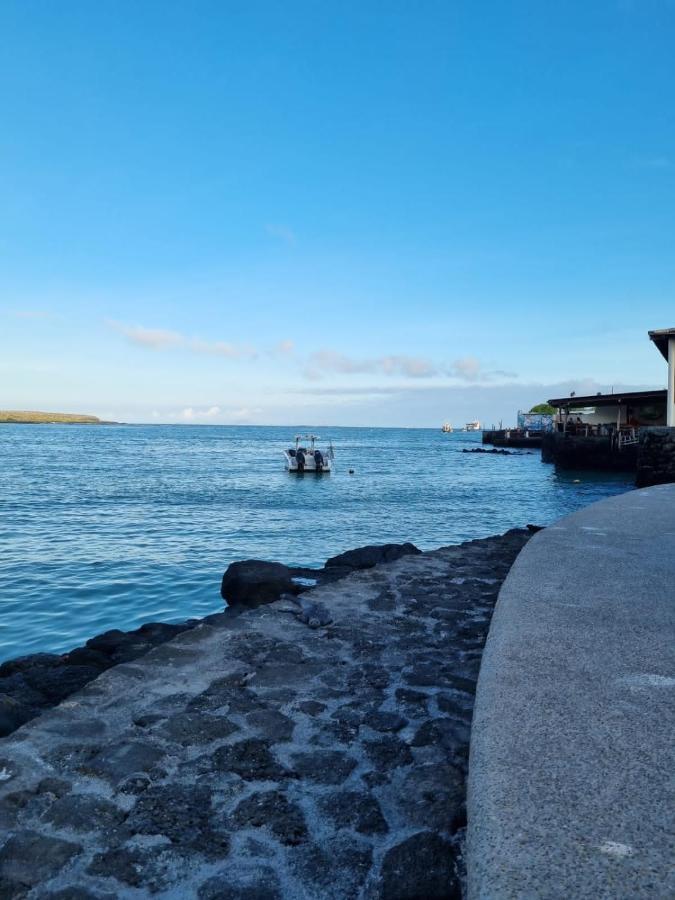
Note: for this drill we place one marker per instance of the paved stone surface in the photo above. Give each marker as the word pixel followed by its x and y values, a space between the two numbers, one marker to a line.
pixel 261 756
pixel 571 789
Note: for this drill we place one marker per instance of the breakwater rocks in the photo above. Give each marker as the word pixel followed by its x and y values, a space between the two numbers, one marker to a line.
pixel 31 684
pixel 494 450
pixel 265 754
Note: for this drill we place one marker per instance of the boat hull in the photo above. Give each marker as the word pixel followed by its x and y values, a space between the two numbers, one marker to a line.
pixel 310 465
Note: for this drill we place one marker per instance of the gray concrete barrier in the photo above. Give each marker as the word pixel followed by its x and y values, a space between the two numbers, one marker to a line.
pixel 572 769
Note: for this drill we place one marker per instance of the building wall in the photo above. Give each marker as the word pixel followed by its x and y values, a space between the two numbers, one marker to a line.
pixel 639 415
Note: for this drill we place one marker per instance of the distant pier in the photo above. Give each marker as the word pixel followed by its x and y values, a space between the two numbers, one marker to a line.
pixel 513 437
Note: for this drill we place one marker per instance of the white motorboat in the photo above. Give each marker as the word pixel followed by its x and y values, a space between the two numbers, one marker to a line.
pixel 447 428
pixel 306 456
pixel 472 426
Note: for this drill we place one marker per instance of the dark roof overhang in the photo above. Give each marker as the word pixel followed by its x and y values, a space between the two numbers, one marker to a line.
pixel 632 397
pixel 661 338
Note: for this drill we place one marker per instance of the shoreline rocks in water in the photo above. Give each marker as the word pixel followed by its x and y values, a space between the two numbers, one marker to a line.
pixel 495 450
pixel 252 582
pixel 31 684
pixel 254 756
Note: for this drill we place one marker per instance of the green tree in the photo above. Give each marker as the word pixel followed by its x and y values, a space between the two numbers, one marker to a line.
pixel 544 408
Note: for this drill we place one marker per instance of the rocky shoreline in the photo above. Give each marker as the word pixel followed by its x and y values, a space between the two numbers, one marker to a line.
pixel 29 685
pixel 310 741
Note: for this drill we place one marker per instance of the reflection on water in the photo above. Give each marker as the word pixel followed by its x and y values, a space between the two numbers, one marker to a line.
pixel 109 527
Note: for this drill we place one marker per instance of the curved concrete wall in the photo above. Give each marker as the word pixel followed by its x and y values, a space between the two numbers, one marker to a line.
pixel 572 770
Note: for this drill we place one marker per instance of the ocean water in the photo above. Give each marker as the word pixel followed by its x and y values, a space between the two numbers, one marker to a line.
pixel 112 526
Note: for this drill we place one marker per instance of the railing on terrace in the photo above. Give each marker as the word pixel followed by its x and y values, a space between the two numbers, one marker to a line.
pixel 625 436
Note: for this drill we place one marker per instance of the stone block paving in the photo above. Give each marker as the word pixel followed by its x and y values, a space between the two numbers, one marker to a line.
pixel 258 757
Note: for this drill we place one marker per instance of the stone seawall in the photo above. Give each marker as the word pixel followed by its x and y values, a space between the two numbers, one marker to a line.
pixel 656 457
pixel 571 451
pixel 300 751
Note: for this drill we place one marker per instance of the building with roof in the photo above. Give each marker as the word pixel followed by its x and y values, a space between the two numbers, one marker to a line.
pixel 622 431
pixel 665 343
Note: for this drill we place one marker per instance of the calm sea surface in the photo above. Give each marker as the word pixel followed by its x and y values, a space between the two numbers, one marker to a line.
pixel 109 527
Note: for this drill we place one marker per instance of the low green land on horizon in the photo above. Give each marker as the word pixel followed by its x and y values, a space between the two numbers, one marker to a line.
pixel 28 417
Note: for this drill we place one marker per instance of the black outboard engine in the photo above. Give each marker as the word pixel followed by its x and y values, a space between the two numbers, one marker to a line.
pixel 300 457
pixel 318 460
pixel 291 452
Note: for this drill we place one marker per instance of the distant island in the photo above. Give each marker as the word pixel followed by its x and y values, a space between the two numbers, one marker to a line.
pixel 29 417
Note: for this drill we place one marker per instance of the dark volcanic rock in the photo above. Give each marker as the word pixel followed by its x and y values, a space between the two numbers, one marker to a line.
pixel 342 861
pixel 73 892
pixel 135 866
pixel 264 886
pixel 197 727
pixel 29 858
pixel 42 680
pixel 272 724
pixel 118 761
pixel 311 707
pixel 388 752
pixel 354 809
pixel 421 867
pixel 252 582
pixel 433 797
pixel 273 810
pixel 444 732
pixel 82 812
pixel 251 759
pixel 22 663
pixel 494 450
pixel 384 721
pixel 181 813
pixel 57 682
pixel 370 556
pixel 324 766
pixel 13 714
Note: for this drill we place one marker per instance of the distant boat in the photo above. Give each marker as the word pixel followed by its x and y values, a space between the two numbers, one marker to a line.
pixel 472 426
pixel 306 457
pixel 447 428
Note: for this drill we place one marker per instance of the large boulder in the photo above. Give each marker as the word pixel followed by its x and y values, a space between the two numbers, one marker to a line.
pixel 253 582
pixel 372 555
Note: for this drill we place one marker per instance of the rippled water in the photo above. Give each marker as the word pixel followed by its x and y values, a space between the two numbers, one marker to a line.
pixel 109 527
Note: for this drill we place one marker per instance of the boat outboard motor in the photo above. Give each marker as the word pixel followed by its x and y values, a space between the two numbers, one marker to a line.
pixel 291 452
pixel 300 458
pixel 318 460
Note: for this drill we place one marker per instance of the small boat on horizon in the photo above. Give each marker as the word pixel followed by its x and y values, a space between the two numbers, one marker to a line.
pixel 306 456
pixel 472 426
pixel 447 428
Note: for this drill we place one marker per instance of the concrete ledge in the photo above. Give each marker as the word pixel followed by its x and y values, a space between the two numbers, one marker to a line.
pixel 572 769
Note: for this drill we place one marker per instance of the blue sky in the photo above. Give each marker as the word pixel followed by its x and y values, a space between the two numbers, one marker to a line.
pixel 353 213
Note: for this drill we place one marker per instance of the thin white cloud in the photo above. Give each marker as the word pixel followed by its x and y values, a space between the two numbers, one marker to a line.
pixel 211 414
pixel 161 339
pixel 154 338
pixel 468 368
pixel 332 362
pixel 282 233
pixel 190 414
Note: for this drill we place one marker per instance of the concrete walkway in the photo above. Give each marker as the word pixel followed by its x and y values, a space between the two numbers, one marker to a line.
pixel 572 770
